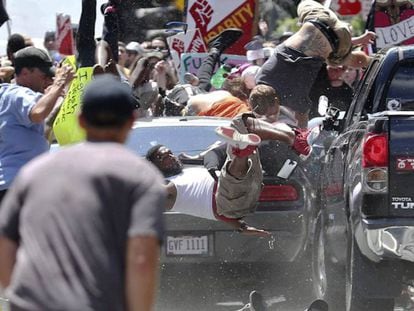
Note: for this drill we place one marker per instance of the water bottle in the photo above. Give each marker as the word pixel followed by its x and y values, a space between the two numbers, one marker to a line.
pixel 218 78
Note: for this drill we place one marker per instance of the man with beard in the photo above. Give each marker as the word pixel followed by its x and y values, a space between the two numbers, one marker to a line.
pixel 192 190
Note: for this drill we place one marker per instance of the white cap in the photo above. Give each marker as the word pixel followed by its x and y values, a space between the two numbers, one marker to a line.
pixel 249 76
pixel 254 54
pixel 268 51
pixel 135 47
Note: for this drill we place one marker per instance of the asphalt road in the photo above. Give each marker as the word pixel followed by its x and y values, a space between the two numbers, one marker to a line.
pixel 227 287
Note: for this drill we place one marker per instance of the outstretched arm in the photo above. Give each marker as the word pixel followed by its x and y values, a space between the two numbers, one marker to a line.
pixel 242 227
pixel 367 38
pixel 40 111
pixel 140 73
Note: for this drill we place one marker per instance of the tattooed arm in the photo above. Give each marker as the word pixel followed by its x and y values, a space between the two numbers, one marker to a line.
pixel 310 41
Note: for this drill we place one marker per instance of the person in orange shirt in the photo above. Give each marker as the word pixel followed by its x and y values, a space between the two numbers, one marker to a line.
pixel 263 100
pixel 228 106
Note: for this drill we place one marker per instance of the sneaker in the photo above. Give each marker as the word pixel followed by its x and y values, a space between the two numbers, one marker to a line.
pixel 301 144
pixel 237 140
pixel 256 301
pixel 318 305
pixel 109 7
pixel 225 39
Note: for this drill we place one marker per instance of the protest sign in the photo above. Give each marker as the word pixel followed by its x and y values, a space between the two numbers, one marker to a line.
pixel 351 7
pixel 396 34
pixel 191 62
pixel 392 23
pixel 4 17
pixel 189 42
pixel 213 16
pixel 66 127
pixel 64 35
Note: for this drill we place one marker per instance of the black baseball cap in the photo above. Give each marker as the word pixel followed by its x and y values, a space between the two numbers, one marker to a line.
pixel 32 57
pixel 108 102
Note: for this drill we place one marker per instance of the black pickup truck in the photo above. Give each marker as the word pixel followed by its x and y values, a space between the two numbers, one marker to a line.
pixel 363 250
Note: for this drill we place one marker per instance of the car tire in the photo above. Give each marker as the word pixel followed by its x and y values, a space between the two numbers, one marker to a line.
pixel 328 277
pixel 362 281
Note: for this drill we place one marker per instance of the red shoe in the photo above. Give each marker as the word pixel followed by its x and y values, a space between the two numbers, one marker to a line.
pixel 242 144
pixel 300 144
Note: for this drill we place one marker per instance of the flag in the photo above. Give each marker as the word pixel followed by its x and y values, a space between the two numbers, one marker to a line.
pixel 64 35
pixel 4 17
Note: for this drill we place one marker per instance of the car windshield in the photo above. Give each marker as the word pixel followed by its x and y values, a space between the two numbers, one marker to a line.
pixel 189 139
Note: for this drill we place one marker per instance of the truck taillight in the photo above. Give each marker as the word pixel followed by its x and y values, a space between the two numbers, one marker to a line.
pixel 278 193
pixel 375 150
pixel 375 163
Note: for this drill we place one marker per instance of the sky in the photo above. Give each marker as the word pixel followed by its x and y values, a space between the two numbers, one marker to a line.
pixel 35 17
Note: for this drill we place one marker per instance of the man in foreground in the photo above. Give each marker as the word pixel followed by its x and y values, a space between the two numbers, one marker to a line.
pixel 79 229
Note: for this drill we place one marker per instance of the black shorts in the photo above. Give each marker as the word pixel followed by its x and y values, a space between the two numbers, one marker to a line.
pixel 292 74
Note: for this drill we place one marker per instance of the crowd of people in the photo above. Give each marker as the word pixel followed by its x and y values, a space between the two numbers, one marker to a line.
pixel 85 235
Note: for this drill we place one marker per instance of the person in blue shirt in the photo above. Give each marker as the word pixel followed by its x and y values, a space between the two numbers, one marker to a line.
pixel 24 107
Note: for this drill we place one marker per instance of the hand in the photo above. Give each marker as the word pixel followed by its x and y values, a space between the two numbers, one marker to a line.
pixel 252 231
pixel 367 38
pixel 141 72
pixel 6 73
pixel 161 67
pixel 64 75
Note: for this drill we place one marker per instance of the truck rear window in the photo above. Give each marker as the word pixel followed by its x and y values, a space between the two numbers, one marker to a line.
pixel 400 94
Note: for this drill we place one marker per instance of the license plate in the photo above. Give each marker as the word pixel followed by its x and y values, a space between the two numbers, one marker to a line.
pixel 187 245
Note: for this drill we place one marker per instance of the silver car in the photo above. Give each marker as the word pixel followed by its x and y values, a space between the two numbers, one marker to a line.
pixel 286 206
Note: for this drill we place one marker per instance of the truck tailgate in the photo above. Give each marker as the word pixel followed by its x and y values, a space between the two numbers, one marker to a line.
pixel 401 167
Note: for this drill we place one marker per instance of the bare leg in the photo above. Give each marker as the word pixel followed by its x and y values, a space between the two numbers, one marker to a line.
pixel 303 119
pixel 267 131
pixel 85 39
pixel 238 167
pixel 103 53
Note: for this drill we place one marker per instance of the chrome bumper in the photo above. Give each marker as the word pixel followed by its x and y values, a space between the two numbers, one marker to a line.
pixel 392 242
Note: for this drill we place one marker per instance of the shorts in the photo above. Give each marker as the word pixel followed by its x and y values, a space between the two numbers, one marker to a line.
pixel 237 197
pixel 292 74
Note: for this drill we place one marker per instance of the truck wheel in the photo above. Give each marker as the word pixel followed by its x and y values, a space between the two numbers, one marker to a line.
pixel 362 279
pixel 328 278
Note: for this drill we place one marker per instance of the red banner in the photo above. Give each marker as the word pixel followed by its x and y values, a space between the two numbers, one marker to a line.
pixel 349 7
pixel 64 35
pixel 212 17
pixel 393 23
